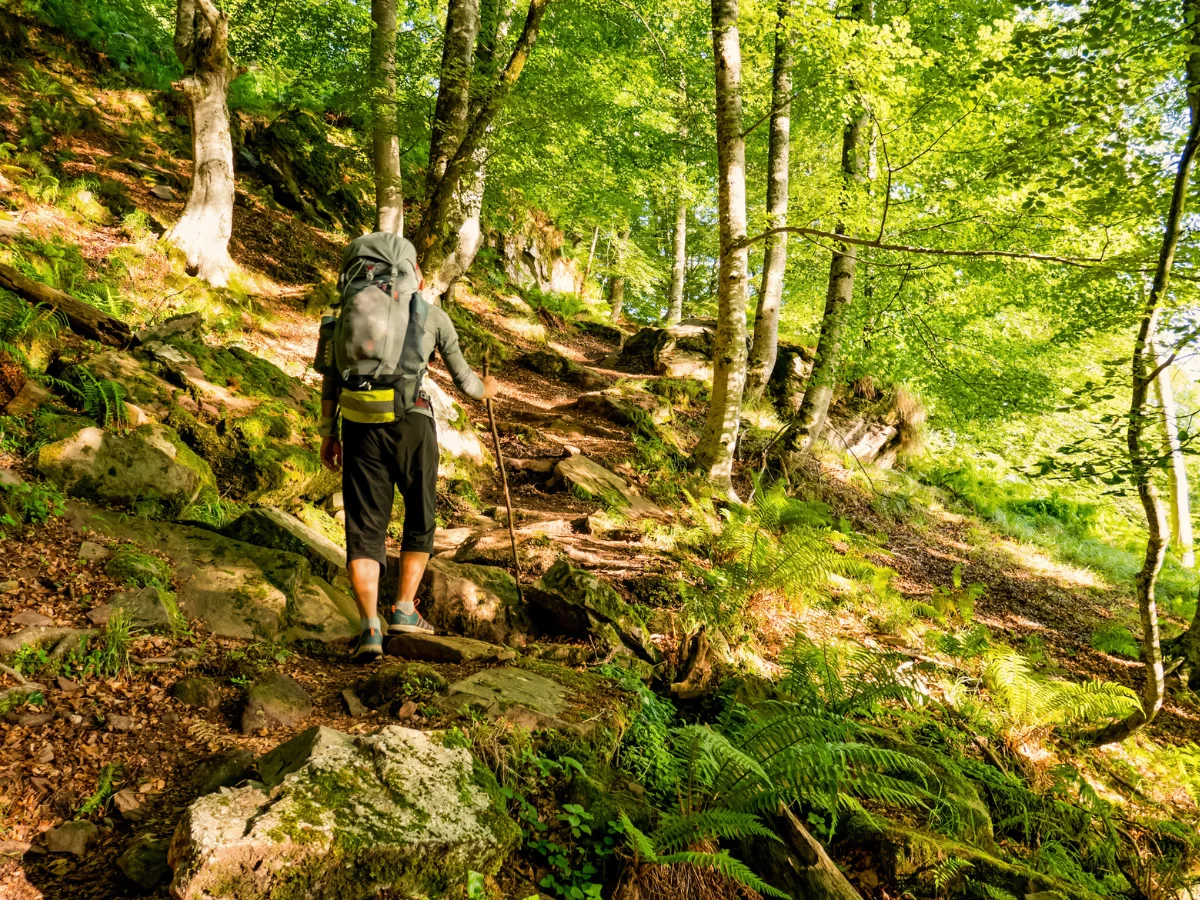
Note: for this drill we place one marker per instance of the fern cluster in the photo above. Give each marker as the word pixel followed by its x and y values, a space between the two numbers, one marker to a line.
pixel 1031 701
pixel 100 399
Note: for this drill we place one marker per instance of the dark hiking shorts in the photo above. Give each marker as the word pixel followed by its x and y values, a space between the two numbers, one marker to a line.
pixel 376 459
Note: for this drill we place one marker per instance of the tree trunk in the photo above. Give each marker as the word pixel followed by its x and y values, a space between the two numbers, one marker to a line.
pixel 810 419
pixel 442 204
pixel 616 284
pixel 770 295
pixel 714 451
pixel 797 864
pixel 1181 512
pixel 587 270
pixel 82 318
pixel 385 143
pixel 679 270
pixel 204 230
pixel 454 88
pixel 1142 466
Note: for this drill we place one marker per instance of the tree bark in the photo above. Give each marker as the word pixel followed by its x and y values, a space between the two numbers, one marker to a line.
pixel 82 318
pixel 587 270
pixel 204 230
pixel 454 88
pixel 1181 511
pixel 385 143
pixel 679 269
pixel 714 451
pixel 442 199
pixel 1142 465
pixel 616 297
pixel 770 294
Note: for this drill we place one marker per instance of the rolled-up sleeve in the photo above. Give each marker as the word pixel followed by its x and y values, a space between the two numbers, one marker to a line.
pixel 447 343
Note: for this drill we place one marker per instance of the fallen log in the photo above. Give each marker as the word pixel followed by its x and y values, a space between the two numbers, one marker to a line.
pixel 83 319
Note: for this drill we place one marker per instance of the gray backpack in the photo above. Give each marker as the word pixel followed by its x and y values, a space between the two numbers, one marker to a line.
pixel 375 342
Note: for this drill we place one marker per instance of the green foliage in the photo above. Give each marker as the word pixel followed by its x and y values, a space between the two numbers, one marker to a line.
pixel 1031 701
pixel 30 659
pixel 644 753
pixel 135 567
pixel 106 785
pixel 14 698
pixel 681 392
pixel 23 323
pixel 99 399
pixel 35 501
pixel 1117 640
pixel 765 546
pixel 110 654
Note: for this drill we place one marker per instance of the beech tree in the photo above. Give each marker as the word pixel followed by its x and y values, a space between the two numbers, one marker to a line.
pixel 385 143
pixel 1145 372
pixel 770 294
pixel 714 451
pixel 204 230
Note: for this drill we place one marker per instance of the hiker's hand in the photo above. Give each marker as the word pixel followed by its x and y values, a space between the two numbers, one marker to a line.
pixel 491 387
pixel 331 453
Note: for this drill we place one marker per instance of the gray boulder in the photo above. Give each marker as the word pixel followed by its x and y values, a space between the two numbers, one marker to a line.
pixel 555 365
pixel 475 601
pixel 149 465
pixel 572 602
pixel 197 691
pixel 148 608
pixel 267 526
pixel 446 648
pixel 71 837
pixel 350 817
pixel 275 701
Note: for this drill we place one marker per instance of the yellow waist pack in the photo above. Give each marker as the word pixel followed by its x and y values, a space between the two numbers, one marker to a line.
pixel 369 407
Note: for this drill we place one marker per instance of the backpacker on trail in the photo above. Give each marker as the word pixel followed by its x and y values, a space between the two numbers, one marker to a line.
pixel 375 345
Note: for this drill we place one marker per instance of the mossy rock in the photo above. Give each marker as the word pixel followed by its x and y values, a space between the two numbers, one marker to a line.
pixel 395 681
pixel 132 566
pixel 397 810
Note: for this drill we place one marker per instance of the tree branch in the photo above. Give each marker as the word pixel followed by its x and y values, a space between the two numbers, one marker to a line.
pixel 1079 261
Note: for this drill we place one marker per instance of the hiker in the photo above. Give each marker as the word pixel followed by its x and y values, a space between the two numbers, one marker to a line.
pixel 373 357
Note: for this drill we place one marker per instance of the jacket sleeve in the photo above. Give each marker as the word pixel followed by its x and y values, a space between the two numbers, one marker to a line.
pixel 331 387
pixel 447 343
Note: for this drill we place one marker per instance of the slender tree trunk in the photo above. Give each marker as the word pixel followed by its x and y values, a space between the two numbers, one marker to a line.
pixel 770 294
pixel 1181 511
pixel 454 88
pixel 810 418
pixel 714 451
pixel 385 143
pixel 1142 465
pixel 204 230
pixel 442 204
pixel 679 269
pixel 616 284
pixel 587 270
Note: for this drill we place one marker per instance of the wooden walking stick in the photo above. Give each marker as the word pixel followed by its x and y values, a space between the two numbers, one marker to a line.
pixel 512 531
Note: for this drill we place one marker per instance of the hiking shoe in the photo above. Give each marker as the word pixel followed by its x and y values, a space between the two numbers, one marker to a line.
pixel 403 623
pixel 369 646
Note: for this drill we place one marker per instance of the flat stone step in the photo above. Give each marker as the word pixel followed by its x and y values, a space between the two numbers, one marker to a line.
pixel 444 648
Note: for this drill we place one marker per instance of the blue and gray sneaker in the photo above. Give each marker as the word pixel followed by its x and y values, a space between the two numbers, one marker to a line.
pixel 369 646
pixel 405 623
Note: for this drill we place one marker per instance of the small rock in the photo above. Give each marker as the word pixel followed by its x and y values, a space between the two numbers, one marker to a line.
pixel 144 862
pixel 18 849
pixel 29 720
pixel 9 587
pixel 121 723
pixel 99 615
pixel 407 710
pixel 45 756
pixel 76 720
pixel 395 679
pixel 184 324
pixel 354 706
pixel 197 691
pixel 136 416
pixel 30 397
pixel 162 192
pixel 129 805
pixel 66 685
pixel 92 552
pixel 275 701
pixel 29 617
pixel 437 648
pixel 71 837
pixel 223 769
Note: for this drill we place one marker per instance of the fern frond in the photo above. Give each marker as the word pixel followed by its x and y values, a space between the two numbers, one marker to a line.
pixel 679 832
pixel 637 839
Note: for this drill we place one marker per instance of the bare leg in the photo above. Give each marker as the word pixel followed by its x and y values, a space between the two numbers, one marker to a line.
pixel 364 575
pixel 412 567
